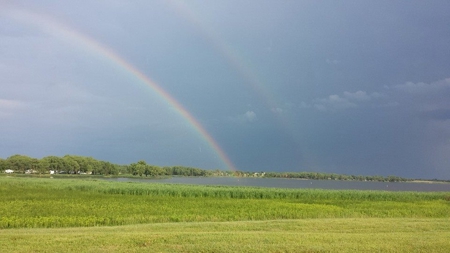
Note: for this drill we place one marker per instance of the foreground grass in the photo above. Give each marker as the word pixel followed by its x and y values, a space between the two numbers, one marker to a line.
pixel 307 235
pixel 40 203
pixel 66 215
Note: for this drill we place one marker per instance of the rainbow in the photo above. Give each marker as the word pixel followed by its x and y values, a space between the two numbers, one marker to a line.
pixel 61 31
pixel 227 51
pixel 234 58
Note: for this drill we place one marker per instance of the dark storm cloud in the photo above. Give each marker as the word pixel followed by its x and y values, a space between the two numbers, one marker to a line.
pixel 438 114
pixel 348 87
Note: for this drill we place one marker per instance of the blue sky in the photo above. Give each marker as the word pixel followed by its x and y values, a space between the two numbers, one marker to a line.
pixel 354 87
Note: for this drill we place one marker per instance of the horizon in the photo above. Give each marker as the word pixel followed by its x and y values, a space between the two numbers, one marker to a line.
pixel 356 177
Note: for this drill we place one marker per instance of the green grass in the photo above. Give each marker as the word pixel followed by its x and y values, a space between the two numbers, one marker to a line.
pixel 91 215
pixel 305 235
pixel 48 203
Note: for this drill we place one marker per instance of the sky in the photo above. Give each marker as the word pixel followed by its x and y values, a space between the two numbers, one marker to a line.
pixel 350 87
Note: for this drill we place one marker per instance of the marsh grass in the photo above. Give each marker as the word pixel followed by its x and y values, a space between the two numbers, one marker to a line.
pixel 50 203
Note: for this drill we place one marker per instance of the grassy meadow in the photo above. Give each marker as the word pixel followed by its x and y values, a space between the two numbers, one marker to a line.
pixel 123 216
pixel 303 235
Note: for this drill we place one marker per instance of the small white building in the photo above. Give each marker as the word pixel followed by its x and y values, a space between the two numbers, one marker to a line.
pixel 9 171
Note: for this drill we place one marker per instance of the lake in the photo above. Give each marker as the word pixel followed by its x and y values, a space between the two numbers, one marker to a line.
pixel 297 183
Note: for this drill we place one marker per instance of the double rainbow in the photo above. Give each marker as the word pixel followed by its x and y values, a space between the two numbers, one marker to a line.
pixel 64 32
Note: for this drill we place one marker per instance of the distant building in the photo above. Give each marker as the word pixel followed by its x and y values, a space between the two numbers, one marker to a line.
pixel 9 171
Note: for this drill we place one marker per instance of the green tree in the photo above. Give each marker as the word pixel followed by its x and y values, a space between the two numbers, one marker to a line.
pixel 19 163
pixel 43 166
pixel 35 166
pixel 3 165
pixel 109 168
pixel 82 163
pixel 139 168
pixel 71 165
pixel 92 165
pixel 122 169
pixel 54 163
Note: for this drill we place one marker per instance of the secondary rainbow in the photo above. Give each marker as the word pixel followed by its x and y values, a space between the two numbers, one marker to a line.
pixel 238 62
pixel 234 58
pixel 64 32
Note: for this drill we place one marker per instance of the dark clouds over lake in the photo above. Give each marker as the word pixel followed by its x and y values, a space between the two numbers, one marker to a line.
pixel 346 87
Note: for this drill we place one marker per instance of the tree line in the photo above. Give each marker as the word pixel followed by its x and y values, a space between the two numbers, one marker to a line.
pixel 68 164
pixel 141 168
pixel 73 164
pixel 333 176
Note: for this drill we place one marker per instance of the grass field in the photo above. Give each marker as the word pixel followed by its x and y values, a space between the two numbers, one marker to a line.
pixel 63 215
pixel 305 235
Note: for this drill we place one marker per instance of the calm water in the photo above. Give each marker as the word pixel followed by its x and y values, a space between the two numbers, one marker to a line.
pixel 296 183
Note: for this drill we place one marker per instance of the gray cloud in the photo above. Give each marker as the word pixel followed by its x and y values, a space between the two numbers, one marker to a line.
pixel 424 98
pixel 438 114
pixel 353 109
pixel 333 62
pixel 346 101
pixel 277 110
pixel 250 116
pixel 10 107
pixel 333 102
pixel 359 96
pixel 424 88
pixel 10 104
